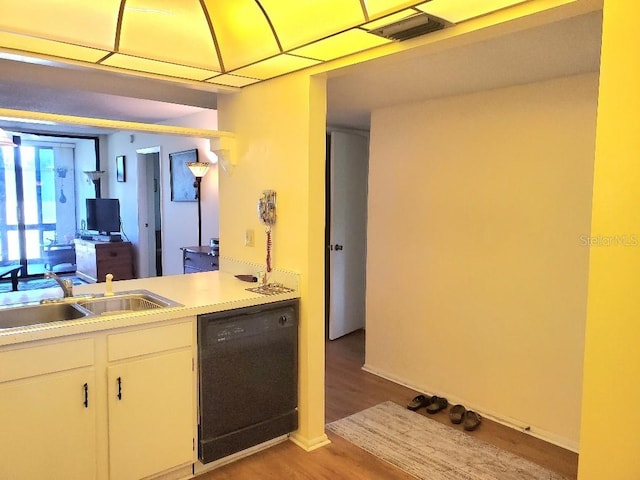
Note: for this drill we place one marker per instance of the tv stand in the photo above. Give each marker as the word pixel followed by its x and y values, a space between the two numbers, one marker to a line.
pixel 95 259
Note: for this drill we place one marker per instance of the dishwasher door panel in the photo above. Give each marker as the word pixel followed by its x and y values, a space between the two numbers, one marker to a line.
pixel 248 370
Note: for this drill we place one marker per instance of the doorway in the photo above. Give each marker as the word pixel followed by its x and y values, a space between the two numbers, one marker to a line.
pixel 346 231
pixel 150 208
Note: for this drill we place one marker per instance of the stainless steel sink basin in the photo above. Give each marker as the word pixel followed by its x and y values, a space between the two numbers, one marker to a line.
pixel 126 302
pixel 73 308
pixel 35 314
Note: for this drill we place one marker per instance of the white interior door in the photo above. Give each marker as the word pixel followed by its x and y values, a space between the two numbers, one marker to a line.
pixel 349 157
pixel 146 263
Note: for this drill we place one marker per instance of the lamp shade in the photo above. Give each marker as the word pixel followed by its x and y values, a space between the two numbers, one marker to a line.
pixel 199 169
pixel 5 140
pixel 94 175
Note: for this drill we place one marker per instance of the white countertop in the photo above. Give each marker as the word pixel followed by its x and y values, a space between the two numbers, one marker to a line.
pixel 198 293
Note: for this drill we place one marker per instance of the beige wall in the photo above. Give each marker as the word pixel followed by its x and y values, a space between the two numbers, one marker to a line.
pixel 279 127
pixel 180 228
pixel 477 268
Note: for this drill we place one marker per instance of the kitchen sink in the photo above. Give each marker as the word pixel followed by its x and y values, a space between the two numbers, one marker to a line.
pixel 126 302
pixel 35 314
pixel 73 308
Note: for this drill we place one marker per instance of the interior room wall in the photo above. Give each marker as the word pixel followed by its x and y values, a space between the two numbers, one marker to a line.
pixel 477 265
pixel 180 219
pixel 280 129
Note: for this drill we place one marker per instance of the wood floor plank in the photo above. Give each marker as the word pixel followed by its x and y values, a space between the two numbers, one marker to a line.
pixel 349 389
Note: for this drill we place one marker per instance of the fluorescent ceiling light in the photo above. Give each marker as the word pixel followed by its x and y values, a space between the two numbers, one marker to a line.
pixel 396 17
pixel 153 66
pixel 224 42
pixel 461 10
pixel 230 80
pixel 276 66
pixel 351 41
pixel 27 120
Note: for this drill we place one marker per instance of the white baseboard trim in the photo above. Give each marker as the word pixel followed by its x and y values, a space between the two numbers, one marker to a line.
pixel 309 445
pixel 515 424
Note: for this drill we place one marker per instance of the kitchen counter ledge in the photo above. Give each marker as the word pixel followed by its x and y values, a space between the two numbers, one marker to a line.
pixel 198 293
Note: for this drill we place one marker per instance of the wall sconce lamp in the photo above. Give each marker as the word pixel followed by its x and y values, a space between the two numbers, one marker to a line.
pixel 94 176
pixel 225 150
pixel 199 170
pixel 5 140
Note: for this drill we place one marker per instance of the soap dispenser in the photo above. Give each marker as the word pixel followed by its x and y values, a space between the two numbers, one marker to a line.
pixel 109 286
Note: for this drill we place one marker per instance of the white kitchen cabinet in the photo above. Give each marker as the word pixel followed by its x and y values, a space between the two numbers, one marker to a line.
pixel 48 412
pixel 61 416
pixel 150 401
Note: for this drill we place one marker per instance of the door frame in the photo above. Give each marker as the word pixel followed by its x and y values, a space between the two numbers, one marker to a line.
pixel 146 211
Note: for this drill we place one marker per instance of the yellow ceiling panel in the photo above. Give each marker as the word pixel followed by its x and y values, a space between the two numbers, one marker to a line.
pixel 351 41
pixel 80 22
pixel 377 8
pixel 243 32
pixel 50 48
pixel 138 64
pixel 302 21
pixel 389 19
pixel 462 10
pixel 175 32
pixel 232 80
pixel 272 67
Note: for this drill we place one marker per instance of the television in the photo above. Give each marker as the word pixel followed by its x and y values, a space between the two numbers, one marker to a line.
pixel 103 215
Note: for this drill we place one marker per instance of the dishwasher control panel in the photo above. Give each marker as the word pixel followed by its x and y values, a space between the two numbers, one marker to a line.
pixel 220 327
pixel 229 332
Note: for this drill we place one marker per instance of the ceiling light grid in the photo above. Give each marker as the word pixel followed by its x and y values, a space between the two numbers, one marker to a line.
pixel 225 42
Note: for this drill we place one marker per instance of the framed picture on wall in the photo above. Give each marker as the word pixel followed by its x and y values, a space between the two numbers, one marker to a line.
pixel 121 172
pixel 183 186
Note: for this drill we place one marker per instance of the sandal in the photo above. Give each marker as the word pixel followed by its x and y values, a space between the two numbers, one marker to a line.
pixel 471 420
pixel 437 404
pixel 419 402
pixel 456 414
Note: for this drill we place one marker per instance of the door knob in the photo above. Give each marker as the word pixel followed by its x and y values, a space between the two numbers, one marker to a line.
pixel 339 247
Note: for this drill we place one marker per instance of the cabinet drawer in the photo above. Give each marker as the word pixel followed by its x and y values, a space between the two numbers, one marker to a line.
pixel 114 258
pixel 149 340
pixel 199 262
pixel 57 357
pixel 112 249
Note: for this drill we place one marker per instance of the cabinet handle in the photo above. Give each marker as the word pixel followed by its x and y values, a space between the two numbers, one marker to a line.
pixel 119 388
pixel 86 395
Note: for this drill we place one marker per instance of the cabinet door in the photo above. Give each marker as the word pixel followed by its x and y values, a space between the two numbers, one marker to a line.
pixel 151 419
pixel 48 426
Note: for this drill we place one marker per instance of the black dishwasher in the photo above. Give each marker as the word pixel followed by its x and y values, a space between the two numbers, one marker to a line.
pixel 248 377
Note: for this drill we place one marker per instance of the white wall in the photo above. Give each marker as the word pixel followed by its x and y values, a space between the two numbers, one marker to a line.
pixel 476 272
pixel 180 219
pixel 85 160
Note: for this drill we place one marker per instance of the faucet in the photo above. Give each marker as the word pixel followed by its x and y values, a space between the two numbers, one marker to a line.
pixel 65 285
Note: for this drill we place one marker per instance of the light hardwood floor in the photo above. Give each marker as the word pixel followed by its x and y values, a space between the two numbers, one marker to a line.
pixel 348 390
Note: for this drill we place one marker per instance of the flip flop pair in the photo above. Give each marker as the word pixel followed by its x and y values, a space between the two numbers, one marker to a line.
pixel 433 404
pixel 459 414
